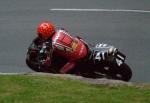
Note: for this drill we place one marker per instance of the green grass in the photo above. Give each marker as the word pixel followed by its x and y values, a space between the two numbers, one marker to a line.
pixel 44 89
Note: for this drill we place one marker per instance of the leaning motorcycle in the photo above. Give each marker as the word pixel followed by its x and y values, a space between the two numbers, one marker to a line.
pixel 112 67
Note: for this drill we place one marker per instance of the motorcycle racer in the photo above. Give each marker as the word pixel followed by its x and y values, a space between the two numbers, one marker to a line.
pixel 65 45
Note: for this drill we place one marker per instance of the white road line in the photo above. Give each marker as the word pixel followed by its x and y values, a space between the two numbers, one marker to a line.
pixel 100 10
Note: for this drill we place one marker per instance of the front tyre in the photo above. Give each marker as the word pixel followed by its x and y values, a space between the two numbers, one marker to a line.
pixel 33 66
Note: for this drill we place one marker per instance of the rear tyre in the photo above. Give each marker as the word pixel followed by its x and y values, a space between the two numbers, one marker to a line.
pixel 122 73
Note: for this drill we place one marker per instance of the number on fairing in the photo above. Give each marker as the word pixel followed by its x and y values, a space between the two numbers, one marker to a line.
pixel 97 57
pixel 119 62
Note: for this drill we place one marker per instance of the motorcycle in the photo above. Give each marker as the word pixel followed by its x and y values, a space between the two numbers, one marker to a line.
pixel 113 67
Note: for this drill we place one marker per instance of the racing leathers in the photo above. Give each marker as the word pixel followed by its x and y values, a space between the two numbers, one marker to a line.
pixel 69 47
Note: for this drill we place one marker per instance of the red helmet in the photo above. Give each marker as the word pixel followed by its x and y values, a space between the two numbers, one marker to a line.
pixel 45 30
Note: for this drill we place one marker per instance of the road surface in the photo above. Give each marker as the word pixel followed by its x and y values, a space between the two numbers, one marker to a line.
pixel 114 22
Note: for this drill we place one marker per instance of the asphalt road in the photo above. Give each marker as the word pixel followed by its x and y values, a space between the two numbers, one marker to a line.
pixel 128 31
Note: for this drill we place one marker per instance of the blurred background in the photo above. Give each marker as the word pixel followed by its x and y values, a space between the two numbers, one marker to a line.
pixel 128 31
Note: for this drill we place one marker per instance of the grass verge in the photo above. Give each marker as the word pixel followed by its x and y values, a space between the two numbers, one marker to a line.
pixel 44 89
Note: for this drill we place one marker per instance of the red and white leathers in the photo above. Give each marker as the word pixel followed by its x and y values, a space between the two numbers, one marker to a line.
pixel 69 47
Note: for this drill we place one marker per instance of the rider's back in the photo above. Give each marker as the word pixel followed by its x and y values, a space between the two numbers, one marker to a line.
pixel 68 46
